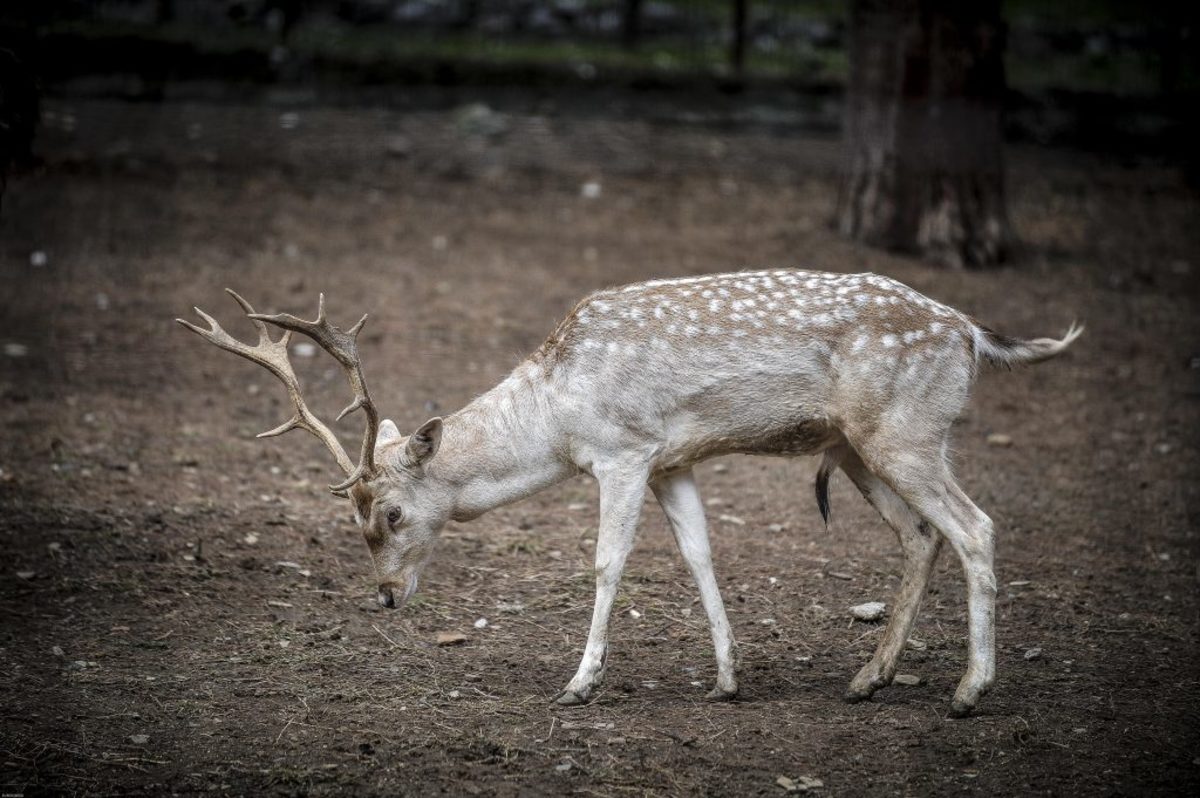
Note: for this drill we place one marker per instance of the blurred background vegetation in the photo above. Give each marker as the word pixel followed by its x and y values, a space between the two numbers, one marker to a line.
pixel 1110 46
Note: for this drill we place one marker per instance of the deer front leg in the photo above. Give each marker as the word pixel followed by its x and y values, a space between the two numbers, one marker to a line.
pixel 622 491
pixel 680 500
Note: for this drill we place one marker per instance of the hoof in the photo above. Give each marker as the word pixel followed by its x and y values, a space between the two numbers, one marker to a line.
pixel 960 709
pixel 720 694
pixel 570 698
pixel 858 696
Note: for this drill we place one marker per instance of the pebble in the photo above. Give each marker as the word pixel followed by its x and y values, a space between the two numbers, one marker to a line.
pixel 799 784
pixel 999 439
pixel 1033 653
pixel 907 679
pixel 871 611
pixel 139 739
pixel 399 147
pixel 481 623
pixel 776 528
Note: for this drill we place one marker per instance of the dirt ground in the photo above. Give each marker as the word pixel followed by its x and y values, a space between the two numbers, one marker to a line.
pixel 185 609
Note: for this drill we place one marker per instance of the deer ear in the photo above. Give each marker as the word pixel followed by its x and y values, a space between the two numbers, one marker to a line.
pixel 388 432
pixel 423 444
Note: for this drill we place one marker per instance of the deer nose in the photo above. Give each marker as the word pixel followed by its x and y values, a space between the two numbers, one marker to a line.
pixel 385 597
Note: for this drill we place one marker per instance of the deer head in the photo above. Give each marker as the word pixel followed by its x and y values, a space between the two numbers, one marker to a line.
pixel 393 509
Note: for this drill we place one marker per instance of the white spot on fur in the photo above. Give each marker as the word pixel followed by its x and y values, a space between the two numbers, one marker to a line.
pixel 888 340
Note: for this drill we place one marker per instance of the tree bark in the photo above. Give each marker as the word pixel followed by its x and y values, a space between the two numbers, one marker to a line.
pixel 925 169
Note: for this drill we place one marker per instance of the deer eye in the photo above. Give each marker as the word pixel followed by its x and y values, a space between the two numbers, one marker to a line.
pixel 393 516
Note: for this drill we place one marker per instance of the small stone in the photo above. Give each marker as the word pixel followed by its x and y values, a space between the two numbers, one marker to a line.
pixel 776 528
pixel 1033 653
pixel 907 679
pixel 732 519
pixel 481 623
pixel 999 439
pixel 250 539
pixel 563 768
pixel 800 784
pixel 455 694
pixel 634 614
pixel 451 638
pixel 720 468
pixel 57 651
pixel 399 146
pixel 871 611
pixel 139 739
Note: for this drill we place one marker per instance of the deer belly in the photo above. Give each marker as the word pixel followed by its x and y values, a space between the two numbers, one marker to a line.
pixel 699 439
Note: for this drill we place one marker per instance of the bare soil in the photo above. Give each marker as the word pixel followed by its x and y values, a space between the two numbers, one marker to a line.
pixel 185 609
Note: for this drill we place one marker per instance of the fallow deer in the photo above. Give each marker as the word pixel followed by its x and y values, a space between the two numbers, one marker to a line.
pixel 640 383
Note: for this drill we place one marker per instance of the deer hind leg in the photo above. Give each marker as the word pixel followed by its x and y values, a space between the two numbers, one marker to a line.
pixel 680 500
pixel 921 546
pixel 622 490
pixel 925 483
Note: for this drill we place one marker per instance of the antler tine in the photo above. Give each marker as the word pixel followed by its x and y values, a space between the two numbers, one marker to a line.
pixel 343 345
pixel 273 355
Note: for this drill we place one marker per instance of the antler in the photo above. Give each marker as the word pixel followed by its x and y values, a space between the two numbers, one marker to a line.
pixel 273 355
pixel 343 345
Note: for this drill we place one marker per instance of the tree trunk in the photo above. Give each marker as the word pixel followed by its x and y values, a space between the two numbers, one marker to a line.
pixel 925 170
pixel 631 24
pixel 737 47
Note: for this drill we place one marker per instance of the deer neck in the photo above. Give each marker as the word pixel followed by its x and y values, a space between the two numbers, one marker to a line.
pixel 501 447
